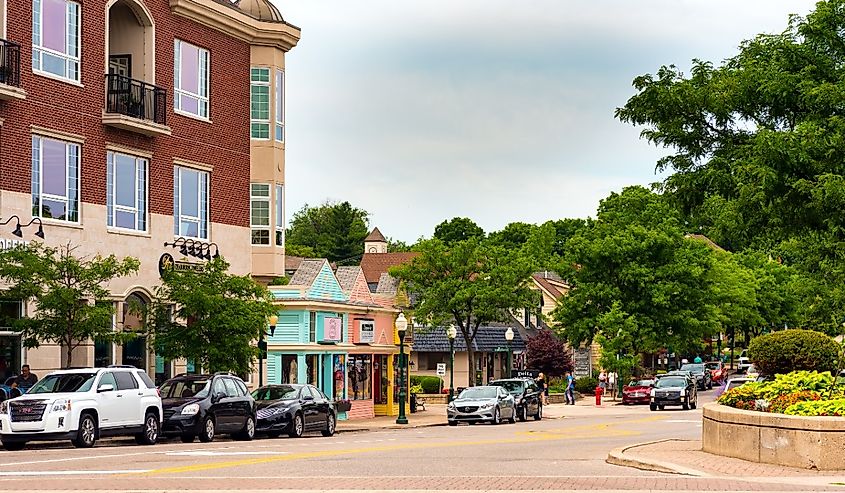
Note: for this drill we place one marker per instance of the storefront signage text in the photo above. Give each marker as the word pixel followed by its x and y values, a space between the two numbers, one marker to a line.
pixel 366 331
pixel 332 329
pixel 9 244
pixel 166 263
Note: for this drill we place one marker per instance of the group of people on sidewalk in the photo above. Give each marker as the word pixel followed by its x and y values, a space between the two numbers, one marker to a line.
pixel 569 394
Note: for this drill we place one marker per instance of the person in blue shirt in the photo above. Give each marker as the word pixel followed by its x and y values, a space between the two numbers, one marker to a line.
pixel 697 359
pixel 570 389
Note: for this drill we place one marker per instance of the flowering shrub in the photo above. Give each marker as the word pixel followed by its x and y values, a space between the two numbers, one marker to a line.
pixel 780 403
pixel 796 381
pixel 817 408
pixel 749 392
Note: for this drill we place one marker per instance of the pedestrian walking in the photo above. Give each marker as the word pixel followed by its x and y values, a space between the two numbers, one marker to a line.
pixel 603 381
pixel 543 387
pixel 570 389
pixel 611 381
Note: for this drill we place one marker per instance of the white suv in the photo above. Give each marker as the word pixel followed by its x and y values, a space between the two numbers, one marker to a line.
pixel 83 405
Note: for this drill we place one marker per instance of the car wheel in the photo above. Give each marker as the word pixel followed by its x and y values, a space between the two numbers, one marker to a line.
pixel 661 406
pixel 512 419
pixel 86 435
pixel 330 425
pixel 497 416
pixel 208 429
pixel 694 403
pixel 13 446
pixel 710 385
pixel 539 415
pixel 653 407
pixel 685 405
pixel 187 438
pixel 520 414
pixel 453 423
pixel 150 434
pixel 297 427
pixel 248 433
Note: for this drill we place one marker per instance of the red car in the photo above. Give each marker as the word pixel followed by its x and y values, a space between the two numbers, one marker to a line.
pixel 638 391
pixel 718 372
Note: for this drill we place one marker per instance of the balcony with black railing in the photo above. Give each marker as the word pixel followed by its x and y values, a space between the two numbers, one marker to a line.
pixel 10 71
pixel 135 105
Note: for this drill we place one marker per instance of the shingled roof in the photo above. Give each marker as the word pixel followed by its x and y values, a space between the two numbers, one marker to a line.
pixel 488 339
pixel 375 235
pixel 307 272
pixel 375 264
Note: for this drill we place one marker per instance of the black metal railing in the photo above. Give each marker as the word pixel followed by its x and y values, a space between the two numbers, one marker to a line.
pixel 136 98
pixel 10 63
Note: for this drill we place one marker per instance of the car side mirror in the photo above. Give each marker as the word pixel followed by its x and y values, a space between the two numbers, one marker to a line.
pixel 218 397
pixel 106 387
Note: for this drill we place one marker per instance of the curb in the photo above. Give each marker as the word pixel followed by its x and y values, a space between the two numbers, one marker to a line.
pixel 393 427
pixel 619 457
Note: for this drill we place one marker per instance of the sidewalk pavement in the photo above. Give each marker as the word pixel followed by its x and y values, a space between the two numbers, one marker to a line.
pixel 686 457
pixel 434 415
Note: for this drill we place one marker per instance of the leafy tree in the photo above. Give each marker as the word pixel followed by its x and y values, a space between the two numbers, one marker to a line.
pixel 299 250
pixel 547 353
pixel 636 276
pixel 458 229
pixel 72 306
pixel 469 282
pixel 335 231
pixel 757 147
pixel 564 230
pixel 211 317
pixel 396 246
pixel 512 236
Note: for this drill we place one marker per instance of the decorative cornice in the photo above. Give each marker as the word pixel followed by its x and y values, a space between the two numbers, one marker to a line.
pixel 235 23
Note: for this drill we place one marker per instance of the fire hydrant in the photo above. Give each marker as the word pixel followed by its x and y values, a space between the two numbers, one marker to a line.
pixel 599 392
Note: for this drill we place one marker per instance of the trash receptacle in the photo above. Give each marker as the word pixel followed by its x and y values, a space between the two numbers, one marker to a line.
pixel 413 403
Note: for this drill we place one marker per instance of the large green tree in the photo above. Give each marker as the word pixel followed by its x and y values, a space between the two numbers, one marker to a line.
pixel 72 302
pixel 209 316
pixel 636 277
pixel 335 231
pixel 469 282
pixel 458 229
pixel 757 147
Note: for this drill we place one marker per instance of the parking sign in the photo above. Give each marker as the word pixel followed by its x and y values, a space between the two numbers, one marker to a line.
pixel 441 369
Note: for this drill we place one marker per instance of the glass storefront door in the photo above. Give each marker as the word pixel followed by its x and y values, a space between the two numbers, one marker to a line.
pixel 10 355
pixel 382 378
pixel 103 354
pixel 135 353
pixel 313 370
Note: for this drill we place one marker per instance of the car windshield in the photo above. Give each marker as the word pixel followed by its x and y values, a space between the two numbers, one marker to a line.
pixel 275 393
pixel 671 382
pixel 514 387
pixel 640 383
pixel 734 384
pixel 478 393
pixel 183 389
pixel 66 382
pixel 694 368
pixel 714 365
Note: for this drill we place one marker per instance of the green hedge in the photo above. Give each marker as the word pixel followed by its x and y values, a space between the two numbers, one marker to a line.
pixel 817 408
pixel 586 385
pixel 429 384
pixel 794 349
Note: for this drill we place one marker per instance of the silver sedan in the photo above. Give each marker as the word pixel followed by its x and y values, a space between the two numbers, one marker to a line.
pixel 488 403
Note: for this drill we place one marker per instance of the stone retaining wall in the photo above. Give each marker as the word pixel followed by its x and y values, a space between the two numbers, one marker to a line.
pixel 794 441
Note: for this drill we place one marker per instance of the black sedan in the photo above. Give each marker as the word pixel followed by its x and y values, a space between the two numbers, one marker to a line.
pixel 294 409
pixel 527 397
pixel 700 374
pixel 674 390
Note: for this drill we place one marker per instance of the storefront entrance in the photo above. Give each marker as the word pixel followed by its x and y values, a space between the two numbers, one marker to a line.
pixel 382 378
pixel 10 342
pixel 134 351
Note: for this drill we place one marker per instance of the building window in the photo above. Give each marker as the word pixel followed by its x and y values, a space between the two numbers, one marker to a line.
pixel 259 103
pixel 280 106
pixel 55 38
pixel 259 217
pixel 280 216
pixel 55 179
pixel 190 203
pixel 360 369
pixel 312 327
pixel 191 79
pixel 126 192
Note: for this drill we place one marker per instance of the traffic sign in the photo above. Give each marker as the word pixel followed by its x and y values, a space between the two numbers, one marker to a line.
pixel 441 369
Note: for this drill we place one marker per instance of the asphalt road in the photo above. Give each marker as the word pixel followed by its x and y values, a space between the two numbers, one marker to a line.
pixel 554 454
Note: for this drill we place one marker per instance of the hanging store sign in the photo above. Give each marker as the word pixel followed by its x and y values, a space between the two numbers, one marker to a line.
pixel 10 244
pixel 366 331
pixel 166 263
pixel 332 329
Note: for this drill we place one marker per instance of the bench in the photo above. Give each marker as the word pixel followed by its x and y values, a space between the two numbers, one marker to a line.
pixel 420 403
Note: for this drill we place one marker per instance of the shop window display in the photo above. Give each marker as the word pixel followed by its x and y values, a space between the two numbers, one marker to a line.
pixel 359 370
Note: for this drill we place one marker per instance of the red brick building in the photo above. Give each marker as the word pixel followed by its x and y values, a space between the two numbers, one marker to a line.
pixel 126 125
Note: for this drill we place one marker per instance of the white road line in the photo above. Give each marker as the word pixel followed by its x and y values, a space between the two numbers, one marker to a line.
pixel 8 465
pixel 71 473
pixel 682 421
pixel 213 453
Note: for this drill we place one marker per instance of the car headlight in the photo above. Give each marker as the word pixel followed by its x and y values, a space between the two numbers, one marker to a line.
pixel 61 405
pixel 190 409
pixel 4 407
pixel 487 405
pixel 451 406
pixel 278 410
pixel 652 392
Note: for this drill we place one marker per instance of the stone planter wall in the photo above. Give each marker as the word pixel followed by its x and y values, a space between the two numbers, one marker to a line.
pixel 794 441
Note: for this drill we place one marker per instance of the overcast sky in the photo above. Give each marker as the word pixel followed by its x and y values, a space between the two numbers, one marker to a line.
pixel 496 110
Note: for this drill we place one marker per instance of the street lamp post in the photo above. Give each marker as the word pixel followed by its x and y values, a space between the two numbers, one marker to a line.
pixel 401 327
pixel 451 332
pixel 262 346
pixel 509 338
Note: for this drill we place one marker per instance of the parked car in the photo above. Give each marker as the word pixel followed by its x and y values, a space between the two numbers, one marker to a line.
pixel 486 403
pixel 743 362
pixel 674 390
pixel 293 409
pixel 718 371
pixel 700 374
pixel 8 390
pixel 206 405
pixel 737 382
pixel 83 405
pixel 526 396
pixel 638 391
pixel 752 372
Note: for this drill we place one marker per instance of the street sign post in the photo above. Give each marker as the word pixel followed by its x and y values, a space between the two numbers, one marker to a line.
pixel 441 369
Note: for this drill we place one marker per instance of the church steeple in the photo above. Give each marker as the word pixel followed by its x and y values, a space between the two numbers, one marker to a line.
pixel 375 242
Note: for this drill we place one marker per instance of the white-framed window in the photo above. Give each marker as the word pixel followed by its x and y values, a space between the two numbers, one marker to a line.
pixel 280 215
pixel 259 103
pixel 126 191
pixel 190 203
pixel 55 179
pixel 191 79
pixel 259 213
pixel 280 106
pixel 55 38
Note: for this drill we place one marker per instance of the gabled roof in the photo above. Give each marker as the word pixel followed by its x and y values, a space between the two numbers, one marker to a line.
pixel 307 272
pixel 292 263
pixel 387 285
pixel 346 276
pixel 375 264
pixel 375 235
pixel 353 284
pixel 556 289
pixel 488 339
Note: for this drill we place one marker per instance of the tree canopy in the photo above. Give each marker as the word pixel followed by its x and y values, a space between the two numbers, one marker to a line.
pixel 72 304
pixel 458 229
pixel 335 231
pixel 547 353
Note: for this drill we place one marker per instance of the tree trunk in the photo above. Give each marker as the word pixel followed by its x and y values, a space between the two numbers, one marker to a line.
pixel 69 354
pixel 470 364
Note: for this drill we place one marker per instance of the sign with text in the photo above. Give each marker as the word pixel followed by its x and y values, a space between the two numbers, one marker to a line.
pixel 441 369
pixel 525 373
pixel 583 362
pixel 333 329
pixel 366 331
pixel 166 263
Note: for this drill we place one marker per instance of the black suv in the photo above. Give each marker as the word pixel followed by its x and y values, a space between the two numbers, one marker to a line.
pixel 674 390
pixel 701 375
pixel 526 395
pixel 205 405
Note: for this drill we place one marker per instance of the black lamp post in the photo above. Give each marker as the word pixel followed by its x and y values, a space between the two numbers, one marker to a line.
pixel 509 338
pixel 401 328
pixel 262 346
pixel 451 332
